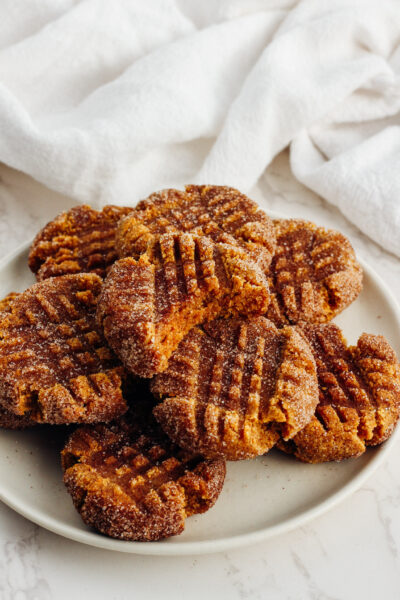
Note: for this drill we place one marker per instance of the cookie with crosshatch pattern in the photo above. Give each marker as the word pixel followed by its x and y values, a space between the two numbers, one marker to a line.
pixel 55 366
pixel 147 305
pixel 219 212
pixel 314 274
pixel 80 240
pixel 9 420
pixel 235 386
pixel 359 396
pixel 128 481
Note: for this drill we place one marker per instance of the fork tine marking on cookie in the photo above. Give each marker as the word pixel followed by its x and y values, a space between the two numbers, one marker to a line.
pixel 130 482
pixel 234 386
pixel 54 363
pixel 359 396
pixel 148 305
pixel 314 273
pixel 219 212
pixel 79 240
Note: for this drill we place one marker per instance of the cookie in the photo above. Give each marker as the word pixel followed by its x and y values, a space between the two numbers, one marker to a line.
pixel 314 273
pixel 80 240
pixel 148 305
pixel 128 481
pixel 359 396
pixel 55 366
pixel 9 420
pixel 221 213
pixel 235 386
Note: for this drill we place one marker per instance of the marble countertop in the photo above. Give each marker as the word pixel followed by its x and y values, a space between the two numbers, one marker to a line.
pixel 348 553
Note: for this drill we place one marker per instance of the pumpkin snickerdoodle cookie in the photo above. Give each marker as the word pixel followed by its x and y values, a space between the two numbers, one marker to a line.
pixel 80 240
pixel 8 419
pixel 147 305
pixel 129 481
pixel 55 366
pixel 359 396
pixel 314 273
pixel 219 212
pixel 235 386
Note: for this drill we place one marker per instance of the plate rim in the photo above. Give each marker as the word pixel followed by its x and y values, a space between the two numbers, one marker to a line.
pixel 162 547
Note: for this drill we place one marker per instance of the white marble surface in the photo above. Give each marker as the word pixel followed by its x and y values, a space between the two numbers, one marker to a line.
pixel 349 553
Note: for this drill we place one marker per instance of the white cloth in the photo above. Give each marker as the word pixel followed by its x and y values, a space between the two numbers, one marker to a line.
pixel 109 101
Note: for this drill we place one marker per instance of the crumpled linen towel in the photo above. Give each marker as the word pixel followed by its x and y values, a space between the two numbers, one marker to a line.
pixel 109 101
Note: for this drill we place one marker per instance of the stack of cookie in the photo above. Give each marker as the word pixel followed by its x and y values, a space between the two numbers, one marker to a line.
pixel 182 333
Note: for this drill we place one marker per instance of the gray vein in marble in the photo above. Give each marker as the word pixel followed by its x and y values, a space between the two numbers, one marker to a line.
pixel 310 531
pixel 384 519
pixel 315 593
pixel 241 582
pixel 21 576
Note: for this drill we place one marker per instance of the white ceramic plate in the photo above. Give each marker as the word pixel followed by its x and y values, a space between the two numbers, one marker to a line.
pixel 261 498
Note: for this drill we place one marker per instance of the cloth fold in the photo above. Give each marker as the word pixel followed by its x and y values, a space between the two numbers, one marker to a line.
pixel 107 102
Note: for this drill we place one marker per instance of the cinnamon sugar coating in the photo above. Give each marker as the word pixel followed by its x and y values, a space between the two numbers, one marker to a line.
pixel 314 273
pixel 55 366
pixel 7 302
pixel 9 420
pixel 128 481
pixel 80 240
pixel 235 386
pixel 148 305
pixel 359 396
pixel 219 212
